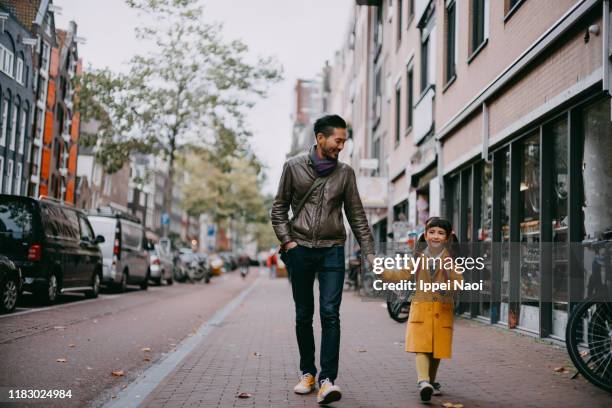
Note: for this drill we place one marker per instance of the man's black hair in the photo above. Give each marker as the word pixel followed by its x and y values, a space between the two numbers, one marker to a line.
pixel 327 124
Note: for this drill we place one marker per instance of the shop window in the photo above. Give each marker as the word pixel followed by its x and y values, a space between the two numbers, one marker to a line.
pixel 505 235
pixel 485 236
pixel 558 136
pixel 597 171
pixel 529 218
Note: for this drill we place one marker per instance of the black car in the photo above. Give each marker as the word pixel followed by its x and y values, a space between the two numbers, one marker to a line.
pixel 10 285
pixel 52 244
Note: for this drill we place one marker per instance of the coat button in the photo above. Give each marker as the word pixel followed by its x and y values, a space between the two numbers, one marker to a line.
pixel 437 315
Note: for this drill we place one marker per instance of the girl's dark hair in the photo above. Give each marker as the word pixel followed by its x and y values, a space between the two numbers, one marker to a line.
pixel 439 222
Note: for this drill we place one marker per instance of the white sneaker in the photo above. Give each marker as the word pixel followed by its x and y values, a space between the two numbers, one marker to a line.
pixel 437 389
pixel 306 384
pixel 328 392
pixel 425 390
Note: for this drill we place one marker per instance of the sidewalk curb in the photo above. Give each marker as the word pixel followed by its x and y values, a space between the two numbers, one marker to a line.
pixel 139 390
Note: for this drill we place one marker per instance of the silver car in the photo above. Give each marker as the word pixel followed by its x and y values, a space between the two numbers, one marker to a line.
pixel 162 266
pixel 124 251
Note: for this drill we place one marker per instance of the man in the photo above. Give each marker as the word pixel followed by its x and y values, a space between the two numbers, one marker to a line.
pixel 314 245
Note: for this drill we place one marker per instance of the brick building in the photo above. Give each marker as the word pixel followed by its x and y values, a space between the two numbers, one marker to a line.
pixel 16 102
pixel 495 114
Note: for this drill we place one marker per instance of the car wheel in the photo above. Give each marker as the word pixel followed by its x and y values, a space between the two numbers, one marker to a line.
pixel 48 293
pixel 170 281
pixel 95 287
pixel 9 294
pixel 121 287
pixel 144 285
pixel 157 281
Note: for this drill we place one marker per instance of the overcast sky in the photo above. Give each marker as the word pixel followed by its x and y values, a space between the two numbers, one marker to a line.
pixel 301 33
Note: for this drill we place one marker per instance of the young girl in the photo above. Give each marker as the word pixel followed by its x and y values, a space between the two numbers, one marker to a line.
pixel 430 325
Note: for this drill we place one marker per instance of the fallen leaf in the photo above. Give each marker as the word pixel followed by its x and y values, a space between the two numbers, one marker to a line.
pixel 244 395
pixel 584 353
pixel 71 345
pixel 458 406
pixel 124 386
pixel 147 359
pixel 61 360
pixel 146 349
pixel 362 350
pixel 118 373
pixel 256 354
pixel 448 405
pixel 560 370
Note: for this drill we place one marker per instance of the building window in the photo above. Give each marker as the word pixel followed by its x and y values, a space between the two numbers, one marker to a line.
pixel 478 24
pixel 4 127
pixel 510 6
pixel 378 30
pixel 378 96
pixel 18 175
pixel 424 65
pixel 6 61
pixel 451 26
pixel 409 98
pixel 410 9
pixel 22 129
pixel 46 52
pixel 427 48
pixel 14 126
pixel 19 73
pixel 398 111
pixel 9 177
pixel 400 11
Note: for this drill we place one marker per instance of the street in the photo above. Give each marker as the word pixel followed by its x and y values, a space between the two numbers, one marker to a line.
pixel 244 342
pixel 97 337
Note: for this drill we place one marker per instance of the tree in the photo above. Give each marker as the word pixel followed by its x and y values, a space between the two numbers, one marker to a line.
pixel 191 91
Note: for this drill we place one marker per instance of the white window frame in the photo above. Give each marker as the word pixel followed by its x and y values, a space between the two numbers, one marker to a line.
pixel 22 130
pixel 14 127
pixel 19 74
pixel 6 64
pixel 18 176
pixel 3 127
pixel 46 55
pixel 9 177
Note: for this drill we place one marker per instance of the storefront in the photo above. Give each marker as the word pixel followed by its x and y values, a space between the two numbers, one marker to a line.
pixel 534 208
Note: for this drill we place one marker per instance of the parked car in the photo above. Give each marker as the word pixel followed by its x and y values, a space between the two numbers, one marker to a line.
pixel 10 285
pixel 161 265
pixel 125 250
pixel 52 244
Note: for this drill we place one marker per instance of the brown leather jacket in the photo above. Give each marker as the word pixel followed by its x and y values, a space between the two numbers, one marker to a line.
pixel 319 224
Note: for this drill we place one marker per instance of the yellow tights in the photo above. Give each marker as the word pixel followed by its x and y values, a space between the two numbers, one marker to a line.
pixel 427 367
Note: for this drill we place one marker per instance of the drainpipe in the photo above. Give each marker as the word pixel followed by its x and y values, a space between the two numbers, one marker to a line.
pixel 606 47
pixel 485 132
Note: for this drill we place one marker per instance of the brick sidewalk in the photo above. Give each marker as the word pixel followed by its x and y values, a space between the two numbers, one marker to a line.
pixel 491 367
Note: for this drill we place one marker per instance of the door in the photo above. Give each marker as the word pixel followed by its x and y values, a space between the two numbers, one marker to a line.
pixel 78 253
pixel 89 249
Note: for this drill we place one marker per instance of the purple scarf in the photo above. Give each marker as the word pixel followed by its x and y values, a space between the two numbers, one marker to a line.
pixel 323 167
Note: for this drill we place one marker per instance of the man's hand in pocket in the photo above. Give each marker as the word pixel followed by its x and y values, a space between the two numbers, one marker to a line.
pixel 290 245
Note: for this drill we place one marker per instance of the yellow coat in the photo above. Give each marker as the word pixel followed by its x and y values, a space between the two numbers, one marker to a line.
pixel 430 322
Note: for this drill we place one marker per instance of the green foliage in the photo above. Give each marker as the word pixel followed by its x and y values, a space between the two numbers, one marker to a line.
pixel 191 90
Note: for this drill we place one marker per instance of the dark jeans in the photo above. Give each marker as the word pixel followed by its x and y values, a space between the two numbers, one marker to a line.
pixel 328 265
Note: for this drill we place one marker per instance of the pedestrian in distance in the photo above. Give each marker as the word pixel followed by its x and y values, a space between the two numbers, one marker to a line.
pixel 316 186
pixel 429 333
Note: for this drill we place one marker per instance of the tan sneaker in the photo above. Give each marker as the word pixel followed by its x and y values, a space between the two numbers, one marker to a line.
pixel 328 392
pixel 306 384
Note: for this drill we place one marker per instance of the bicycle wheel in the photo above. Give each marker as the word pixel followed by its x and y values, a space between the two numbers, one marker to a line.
pixel 589 342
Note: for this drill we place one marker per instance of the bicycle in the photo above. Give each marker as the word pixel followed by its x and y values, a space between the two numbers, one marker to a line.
pixel 589 335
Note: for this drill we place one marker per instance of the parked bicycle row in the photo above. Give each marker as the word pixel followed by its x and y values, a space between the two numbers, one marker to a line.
pixel 48 248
